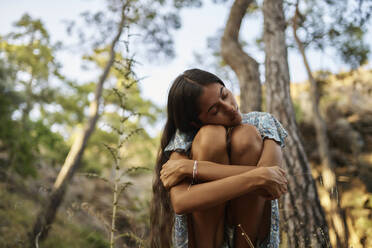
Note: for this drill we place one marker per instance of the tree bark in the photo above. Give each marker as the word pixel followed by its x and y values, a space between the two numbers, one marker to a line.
pixel 302 219
pixel 244 66
pixel 329 201
pixel 47 214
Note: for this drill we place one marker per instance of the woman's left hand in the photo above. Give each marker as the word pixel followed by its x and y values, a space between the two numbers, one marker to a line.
pixel 173 172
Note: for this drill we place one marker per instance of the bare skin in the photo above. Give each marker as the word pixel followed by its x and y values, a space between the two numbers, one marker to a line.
pixel 246 187
pixel 207 228
pixel 252 211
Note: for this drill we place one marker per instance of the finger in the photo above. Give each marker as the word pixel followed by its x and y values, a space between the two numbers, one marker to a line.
pixel 284 177
pixel 281 180
pixel 163 179
pixel 165 183
pixel 283 173
pixel 284 189
pixel 165 166
pixel 164 173
pixel 284 181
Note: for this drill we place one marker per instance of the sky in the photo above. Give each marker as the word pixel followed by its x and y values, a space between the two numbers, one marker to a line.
pixel 197 25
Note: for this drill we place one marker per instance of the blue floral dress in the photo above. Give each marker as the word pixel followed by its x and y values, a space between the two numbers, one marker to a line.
pixel 268 127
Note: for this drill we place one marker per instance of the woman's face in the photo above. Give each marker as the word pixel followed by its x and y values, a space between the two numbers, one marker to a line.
pixel 218 106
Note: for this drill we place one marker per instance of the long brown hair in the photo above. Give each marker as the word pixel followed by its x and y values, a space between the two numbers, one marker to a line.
pixel 182 109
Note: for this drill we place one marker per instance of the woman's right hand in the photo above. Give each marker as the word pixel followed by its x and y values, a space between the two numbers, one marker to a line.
pixel 173 172
pixel 272 181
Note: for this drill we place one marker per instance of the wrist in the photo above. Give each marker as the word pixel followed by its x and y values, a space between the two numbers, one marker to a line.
pixel 254 179
pixel 268 164
pixel 187 167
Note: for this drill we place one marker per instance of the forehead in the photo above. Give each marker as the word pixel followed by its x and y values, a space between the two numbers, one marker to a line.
pixel 210 96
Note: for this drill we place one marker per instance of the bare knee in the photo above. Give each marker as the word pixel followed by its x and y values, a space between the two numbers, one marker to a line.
pixel 246 144
pixel 209 141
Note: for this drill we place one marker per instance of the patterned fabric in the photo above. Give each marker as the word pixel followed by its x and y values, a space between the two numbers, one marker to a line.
pixel 268 127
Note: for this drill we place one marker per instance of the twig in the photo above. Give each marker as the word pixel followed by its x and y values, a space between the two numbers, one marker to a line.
pixel 244 234
pixel 37 240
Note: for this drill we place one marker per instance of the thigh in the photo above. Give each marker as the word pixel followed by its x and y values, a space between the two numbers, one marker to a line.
pixel 248 210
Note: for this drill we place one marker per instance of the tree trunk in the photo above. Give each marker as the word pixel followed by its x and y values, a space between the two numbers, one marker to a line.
pixel 329 201
pixel 47 214
pixel 244 66
pixel 303 219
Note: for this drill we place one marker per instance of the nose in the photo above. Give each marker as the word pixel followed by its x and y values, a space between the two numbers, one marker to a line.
pixel 229 107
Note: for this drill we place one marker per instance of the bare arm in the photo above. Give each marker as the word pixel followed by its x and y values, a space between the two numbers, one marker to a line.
pixel 177 170
pixel 202 196
pixel 271 154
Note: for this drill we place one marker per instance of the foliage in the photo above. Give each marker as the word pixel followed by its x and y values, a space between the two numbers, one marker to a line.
pixel 37 99
pixel 154 20
pixel 32 55
pixel 340 25
pixel 26 67
pixel 142 113
pixel 18 142
pixel 123 134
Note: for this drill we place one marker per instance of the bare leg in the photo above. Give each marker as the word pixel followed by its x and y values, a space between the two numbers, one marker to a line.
pixel 249 210
pixel 208 225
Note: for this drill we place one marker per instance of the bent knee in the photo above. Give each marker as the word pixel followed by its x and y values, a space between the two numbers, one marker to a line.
pixel 246 140
pixel 210 139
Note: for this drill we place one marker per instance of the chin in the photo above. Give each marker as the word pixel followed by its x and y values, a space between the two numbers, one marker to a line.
pixel 237 123
pixel 238 120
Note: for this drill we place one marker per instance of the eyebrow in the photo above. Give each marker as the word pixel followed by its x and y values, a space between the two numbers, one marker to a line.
pixel 215 103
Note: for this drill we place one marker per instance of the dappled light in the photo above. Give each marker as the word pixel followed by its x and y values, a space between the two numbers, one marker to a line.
pixel 92 154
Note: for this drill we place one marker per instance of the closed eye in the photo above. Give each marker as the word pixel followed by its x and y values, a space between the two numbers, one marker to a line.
pixel 224 96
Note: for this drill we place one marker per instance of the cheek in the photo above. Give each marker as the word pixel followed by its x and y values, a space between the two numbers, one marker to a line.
pixel 204 119
pixel 218 119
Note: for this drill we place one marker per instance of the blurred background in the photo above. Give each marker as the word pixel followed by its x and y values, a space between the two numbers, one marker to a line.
pixel 83 90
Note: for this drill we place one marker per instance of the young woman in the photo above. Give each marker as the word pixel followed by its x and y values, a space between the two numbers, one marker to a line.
pixel 218 171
